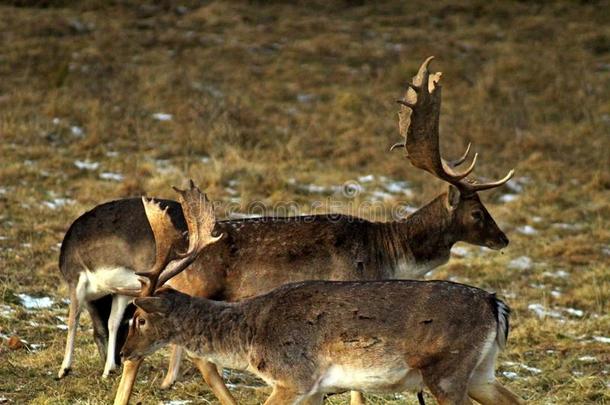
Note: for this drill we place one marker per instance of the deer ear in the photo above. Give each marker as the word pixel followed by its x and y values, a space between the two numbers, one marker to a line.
pixel 153 304
pixel 453 198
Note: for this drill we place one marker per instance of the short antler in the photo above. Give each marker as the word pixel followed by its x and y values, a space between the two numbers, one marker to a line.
pixel 419 123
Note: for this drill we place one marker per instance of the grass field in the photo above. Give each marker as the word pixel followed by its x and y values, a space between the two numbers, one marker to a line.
pixel 263 101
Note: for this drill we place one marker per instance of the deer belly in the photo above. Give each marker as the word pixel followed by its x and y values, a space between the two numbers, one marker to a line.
pixel 371 379
pixel 102 281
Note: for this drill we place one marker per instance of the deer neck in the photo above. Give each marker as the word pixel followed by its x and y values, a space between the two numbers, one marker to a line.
pixel 422 241
pixel 213 330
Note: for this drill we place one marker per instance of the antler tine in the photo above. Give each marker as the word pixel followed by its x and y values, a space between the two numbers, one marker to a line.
pixel 476 187
pixel 461 159
pixel 199 214
pixel 166 236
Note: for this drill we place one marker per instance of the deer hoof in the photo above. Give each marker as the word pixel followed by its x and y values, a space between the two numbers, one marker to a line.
pixel 62 373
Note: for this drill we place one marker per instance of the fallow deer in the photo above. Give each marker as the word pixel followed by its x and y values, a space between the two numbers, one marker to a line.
pixel 313 338
pixel 105 246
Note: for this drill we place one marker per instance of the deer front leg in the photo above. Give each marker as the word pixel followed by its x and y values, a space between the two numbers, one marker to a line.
pixel 213 379
pixel 128 378
pixel 357 398
pixel 174 367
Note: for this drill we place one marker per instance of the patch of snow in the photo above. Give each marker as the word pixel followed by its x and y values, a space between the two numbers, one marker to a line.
pixel 86 165
pixel 602 339
pixel 460 251
pixel 568 227
pixel 556 274
pixel 366 179
pixel 112 153
pixel 205 159
pixel 556 293
pixel 56 121
pixel 305 98
pixel 527 230
pixel 57 203
pixel 537 219
pixel 162 116
pixel 542 312
pixel 588 359
pixel 575 312
pixel 30 302
pixel 111 176
pixel 77 131
pixel 62 327
pixel 36 346
pixel 398 187
pixel 520 263
pixel 381 195
pixel 507 198
pixel 606 250
pixel 532 370
pixel 231 191
pixel 6 311
pixel 510 375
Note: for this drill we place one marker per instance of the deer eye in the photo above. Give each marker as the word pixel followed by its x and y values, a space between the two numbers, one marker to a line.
pixel 477 215
pixel 141 321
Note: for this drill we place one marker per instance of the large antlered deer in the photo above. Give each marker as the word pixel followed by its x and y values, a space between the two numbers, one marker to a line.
pixel 313 338
pixel 106 246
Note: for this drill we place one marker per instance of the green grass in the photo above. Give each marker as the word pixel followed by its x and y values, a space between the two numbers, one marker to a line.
pixel 269 92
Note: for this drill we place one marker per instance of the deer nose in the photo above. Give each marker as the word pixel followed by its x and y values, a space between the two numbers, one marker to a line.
pixel 504 239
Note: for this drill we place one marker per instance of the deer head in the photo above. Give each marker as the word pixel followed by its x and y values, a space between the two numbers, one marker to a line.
pixel 148 330
pixel 419 124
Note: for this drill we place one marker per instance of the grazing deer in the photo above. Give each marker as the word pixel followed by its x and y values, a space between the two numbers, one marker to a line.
pixel 105 246
pixel 312 338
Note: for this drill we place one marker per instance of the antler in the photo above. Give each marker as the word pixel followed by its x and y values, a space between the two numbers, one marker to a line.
pixel 418 121
pixel 200 219
pixel 199 215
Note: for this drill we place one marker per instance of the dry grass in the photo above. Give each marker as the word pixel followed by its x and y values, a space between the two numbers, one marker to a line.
pixel 269 92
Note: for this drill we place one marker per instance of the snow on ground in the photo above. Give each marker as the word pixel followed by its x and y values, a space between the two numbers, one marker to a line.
pixel 507 198
pixel 30 302
pixel 602 339
pixel 520 263
pixel 527 230
pixel 111 176
pixel 58 203
pixel 162 116
pixel 86 165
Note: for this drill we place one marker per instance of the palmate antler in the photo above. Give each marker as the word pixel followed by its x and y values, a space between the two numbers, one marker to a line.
pixel 418 121
pixel 200 219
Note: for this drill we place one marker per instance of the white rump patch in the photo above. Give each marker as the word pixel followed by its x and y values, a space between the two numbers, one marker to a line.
pixel 104 280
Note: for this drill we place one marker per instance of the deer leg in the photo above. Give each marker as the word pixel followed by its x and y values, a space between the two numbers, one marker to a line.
pixel 77 297
pixel 100 331
pixel 448 382
pixel 493 393
pixel 119 304
pixel 357 398
pixel 316 399
pixel 213 379
pixel 283 396
pixel 128 378
pixel 174 367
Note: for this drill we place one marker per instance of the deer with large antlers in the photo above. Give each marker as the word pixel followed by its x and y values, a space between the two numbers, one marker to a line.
pixel 313 338
pixel 106 246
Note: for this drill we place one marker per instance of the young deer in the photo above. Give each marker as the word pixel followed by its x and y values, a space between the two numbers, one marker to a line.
pixel 105 246
pixel 312 338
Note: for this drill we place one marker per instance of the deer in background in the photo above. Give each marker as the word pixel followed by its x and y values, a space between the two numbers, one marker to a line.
pixel 313 338
pixel 106 246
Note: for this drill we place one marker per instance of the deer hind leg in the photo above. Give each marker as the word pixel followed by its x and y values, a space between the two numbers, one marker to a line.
pixel 448 380
pixel 357 398
pixel 77 298
pixel 284 396
pixel 174 367
pixel 213 379
pixel 493 393
pixel 119 304
pixel 316 399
